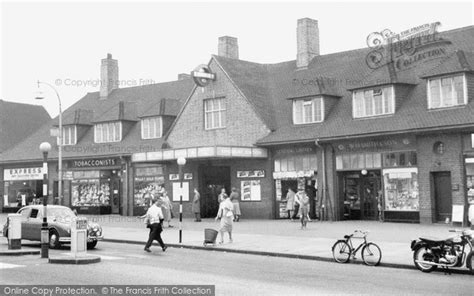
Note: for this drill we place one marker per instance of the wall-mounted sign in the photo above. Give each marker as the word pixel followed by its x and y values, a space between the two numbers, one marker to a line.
pixel 35 173
pixel 188 176
pixel 251 174
pixel 93 163
pixel 376 144
pixel 174 177
pixel 202 75
pixel 251 190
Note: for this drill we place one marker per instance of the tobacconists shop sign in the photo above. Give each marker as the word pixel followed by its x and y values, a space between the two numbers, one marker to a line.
pixel 94 163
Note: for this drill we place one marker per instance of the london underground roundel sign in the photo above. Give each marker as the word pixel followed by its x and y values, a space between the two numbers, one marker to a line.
pixel 202 75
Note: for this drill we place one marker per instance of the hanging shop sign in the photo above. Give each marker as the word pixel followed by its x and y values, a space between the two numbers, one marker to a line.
pixel 202 75
pixel 251 174
pixel 34 173
pixel 94 163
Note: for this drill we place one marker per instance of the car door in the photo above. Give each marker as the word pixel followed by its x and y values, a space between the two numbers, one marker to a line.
pixel 34 224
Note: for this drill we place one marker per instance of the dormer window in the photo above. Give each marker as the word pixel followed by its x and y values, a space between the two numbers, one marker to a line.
pixel 108 132
pixel 373 102
pixel 152 127
pixel 69 136
pixel 447 92
pixel 308 110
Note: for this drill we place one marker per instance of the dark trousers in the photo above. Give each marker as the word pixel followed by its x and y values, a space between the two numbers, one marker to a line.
pixel 155 234
pixel 297 208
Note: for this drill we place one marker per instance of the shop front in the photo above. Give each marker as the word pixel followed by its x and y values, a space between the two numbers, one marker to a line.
pixel 378 179
pixel 96 185
pixel 148 181
pixel 22 186
pixel 295 167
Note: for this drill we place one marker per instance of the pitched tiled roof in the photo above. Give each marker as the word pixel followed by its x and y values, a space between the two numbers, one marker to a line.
pixel 270 86
pixel 137 99
pixel 163 107
pixel 17 121
pixel 458 61
pixel 77 117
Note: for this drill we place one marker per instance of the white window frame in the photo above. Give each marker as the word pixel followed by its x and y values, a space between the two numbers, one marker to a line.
pixel 146 123
pixel 220 110
pixel 441 98
pixel 472 140
pixel 103 136
pixel 313 103
pixel 72 133
pixel 363 105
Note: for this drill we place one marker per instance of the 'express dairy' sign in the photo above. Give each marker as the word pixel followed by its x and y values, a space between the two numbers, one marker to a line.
pixel 35 173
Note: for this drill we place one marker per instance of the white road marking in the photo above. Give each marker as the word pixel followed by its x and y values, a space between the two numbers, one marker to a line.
pixel 8 265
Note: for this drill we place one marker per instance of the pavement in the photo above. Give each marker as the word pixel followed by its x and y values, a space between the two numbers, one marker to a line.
pixel 282 238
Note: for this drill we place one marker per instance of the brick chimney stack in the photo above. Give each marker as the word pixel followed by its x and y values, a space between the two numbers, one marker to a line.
pixel 307 35
pixel 108 76
pixel 228 47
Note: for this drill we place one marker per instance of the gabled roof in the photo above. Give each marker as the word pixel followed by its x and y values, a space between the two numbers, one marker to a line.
pixel 18 121
pixel 458 61
pixel 142 97
pixel 269 86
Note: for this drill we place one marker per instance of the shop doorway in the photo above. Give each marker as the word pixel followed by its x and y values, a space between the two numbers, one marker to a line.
pixel 115 194
pixel 213 179
pixel 285 185
pixel 361 194
pixel 442 195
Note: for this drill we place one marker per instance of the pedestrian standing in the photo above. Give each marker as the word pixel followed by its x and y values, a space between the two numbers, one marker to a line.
pixel 296 209
pixel 290 203
pixel 304 207
pixel 196 206
pixel 222 196
pixel 234 198
pixel 166 207
pixel 153 217
pixel 226 215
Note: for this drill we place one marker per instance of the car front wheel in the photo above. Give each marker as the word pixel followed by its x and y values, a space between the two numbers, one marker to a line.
pixel 54 239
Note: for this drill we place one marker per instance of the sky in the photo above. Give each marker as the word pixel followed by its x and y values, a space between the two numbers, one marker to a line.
pixel 62 43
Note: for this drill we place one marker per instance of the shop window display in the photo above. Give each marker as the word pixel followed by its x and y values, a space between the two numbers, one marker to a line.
pixel 91 190
pixel 148 182
pixel 401 189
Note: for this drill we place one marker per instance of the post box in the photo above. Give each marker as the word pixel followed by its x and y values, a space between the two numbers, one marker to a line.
pixel 79 236
pixel 14 231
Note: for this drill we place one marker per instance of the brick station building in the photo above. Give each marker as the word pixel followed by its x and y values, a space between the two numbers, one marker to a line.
pixel 392 140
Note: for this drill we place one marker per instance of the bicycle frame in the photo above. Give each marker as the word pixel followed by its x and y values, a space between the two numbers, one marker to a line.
pixel 349 242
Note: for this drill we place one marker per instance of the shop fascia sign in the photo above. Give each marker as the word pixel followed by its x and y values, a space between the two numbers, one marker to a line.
pixel 202 75
pixel 34 173
pixel 375 144
pixel 94 163
pixel 294 150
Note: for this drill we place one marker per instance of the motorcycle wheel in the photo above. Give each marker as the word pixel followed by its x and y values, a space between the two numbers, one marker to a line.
pixel 470 262
pixel 421 254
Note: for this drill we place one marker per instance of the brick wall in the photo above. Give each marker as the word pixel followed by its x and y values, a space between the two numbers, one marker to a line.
pixel 243 126
pixel 429 162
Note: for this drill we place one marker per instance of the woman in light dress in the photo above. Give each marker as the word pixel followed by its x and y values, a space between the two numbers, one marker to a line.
pixel 226 215
pixel 166 207
pixel 290 203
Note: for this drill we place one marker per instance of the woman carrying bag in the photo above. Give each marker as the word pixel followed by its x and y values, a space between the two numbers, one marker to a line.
pixel 226 215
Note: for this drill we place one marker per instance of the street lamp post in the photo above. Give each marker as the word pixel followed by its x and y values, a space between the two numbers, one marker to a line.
pixel 45 147
pixel 60 144
pixel 181 162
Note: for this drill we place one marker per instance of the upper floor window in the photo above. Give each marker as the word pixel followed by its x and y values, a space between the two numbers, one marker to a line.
pixel 214 113
pixel 69 135
pixel 308 110
pixel 152 128
pixel 373 102
pixel 108 132
pixel 447 92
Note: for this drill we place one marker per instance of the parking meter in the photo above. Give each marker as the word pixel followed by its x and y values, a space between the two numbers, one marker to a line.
pixel 79 237
pixel 14 231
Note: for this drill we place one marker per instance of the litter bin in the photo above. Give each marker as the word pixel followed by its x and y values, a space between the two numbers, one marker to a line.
pixel 14 231
pixel 210 236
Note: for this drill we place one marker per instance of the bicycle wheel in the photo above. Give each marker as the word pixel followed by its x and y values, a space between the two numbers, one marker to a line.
pixel 341 251
pixel 371 254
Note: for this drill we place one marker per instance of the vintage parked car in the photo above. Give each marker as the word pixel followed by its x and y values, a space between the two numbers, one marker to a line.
pixel 59 224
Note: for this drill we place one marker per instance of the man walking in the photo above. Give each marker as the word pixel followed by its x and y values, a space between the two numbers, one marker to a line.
pixel 153 216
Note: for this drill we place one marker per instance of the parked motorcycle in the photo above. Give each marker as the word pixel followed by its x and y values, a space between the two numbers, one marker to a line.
pixel 456 251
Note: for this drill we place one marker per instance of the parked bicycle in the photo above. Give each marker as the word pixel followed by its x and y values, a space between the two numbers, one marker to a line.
pixel 343 249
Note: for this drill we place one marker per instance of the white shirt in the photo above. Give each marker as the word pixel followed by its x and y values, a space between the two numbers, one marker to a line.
pixel 154 213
